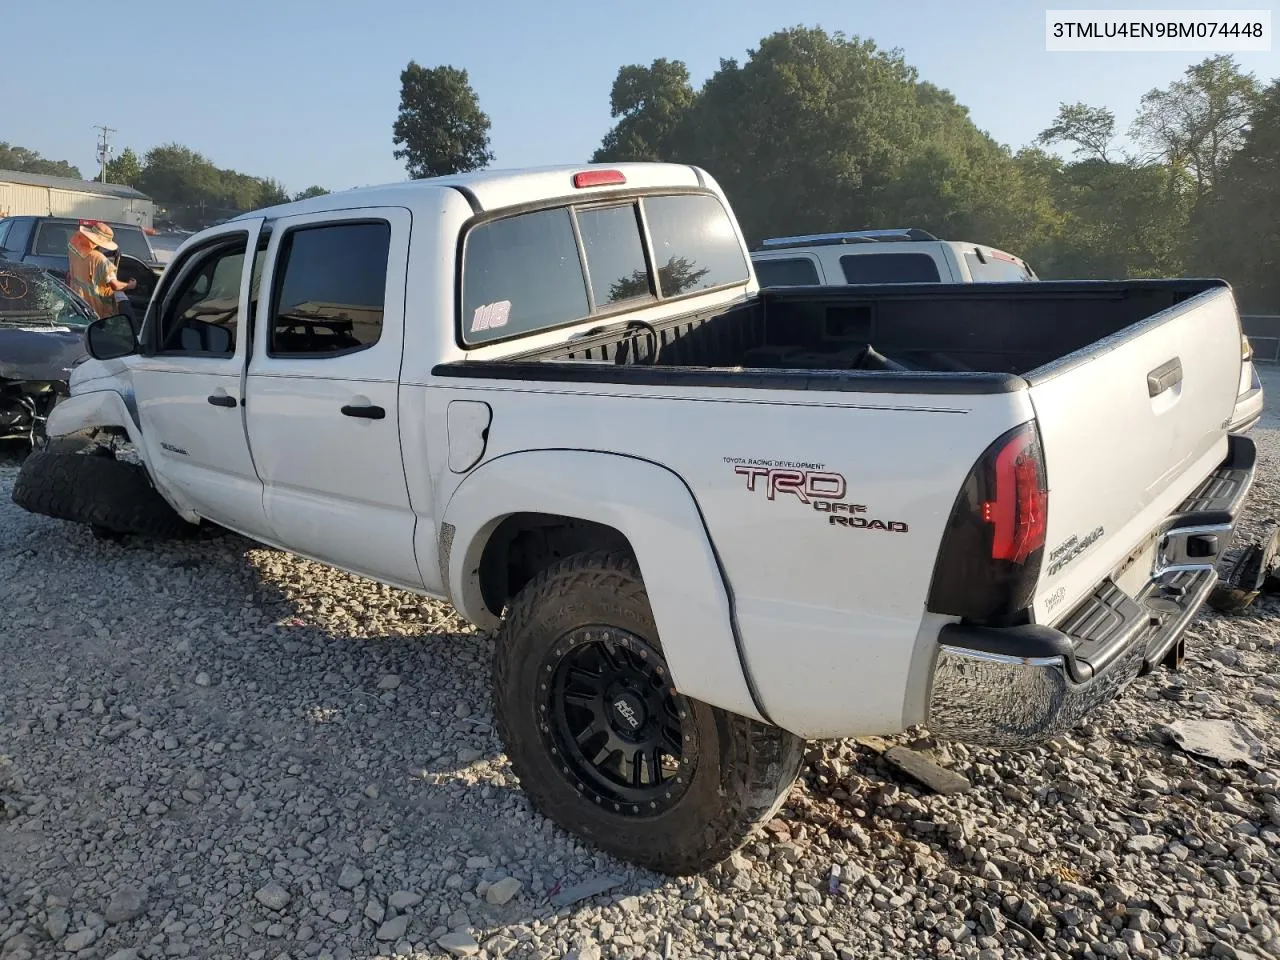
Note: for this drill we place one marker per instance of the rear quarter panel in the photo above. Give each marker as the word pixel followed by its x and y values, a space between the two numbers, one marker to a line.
pixel 828 613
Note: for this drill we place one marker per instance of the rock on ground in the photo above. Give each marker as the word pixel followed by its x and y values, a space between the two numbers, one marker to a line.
pixel 282 760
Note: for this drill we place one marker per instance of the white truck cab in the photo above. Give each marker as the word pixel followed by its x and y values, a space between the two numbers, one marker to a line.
pixel 907 255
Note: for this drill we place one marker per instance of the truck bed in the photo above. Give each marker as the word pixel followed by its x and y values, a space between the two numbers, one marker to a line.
pixel 963 338
pixel 1131 380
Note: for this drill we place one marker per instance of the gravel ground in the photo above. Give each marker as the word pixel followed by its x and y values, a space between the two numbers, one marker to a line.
pixel 220 750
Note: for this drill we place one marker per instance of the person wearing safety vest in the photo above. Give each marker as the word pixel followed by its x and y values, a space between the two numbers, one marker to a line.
pixel 91 274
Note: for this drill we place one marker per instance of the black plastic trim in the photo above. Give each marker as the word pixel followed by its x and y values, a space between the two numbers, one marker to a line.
pixel 1199 584
pixel 1028 641
pixel 743 378
pixel 1101 626
pixel 1218 498
pixel 469 195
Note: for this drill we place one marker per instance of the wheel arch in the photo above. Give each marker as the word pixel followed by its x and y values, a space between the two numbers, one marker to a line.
pixel 594 500
pixel 109 409
pixel 96 410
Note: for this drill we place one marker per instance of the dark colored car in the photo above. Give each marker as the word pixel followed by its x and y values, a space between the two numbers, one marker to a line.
pixel 42 326
pixel 42 242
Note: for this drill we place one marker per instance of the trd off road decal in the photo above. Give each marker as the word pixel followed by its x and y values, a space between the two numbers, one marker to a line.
pixel 811 485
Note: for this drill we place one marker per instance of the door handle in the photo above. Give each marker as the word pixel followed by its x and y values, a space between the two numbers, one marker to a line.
pixel 364 412
pixel 1168 374
pixel 222 400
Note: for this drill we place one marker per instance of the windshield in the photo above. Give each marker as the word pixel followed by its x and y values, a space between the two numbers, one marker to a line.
pixel 33 299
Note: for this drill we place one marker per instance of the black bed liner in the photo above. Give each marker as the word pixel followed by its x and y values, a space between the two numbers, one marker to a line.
pixel 898 339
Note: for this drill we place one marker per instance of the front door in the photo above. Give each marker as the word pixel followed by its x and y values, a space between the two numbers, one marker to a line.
pixel 323 391
pixel 189 380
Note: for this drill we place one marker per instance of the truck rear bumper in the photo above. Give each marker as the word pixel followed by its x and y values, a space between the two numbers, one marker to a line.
pixel 1013 686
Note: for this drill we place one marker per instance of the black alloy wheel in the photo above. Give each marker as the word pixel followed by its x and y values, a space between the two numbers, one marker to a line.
pixel 613 720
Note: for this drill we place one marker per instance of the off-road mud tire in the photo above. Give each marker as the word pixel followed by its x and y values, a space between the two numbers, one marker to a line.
pixel 111 496
pixel 744 768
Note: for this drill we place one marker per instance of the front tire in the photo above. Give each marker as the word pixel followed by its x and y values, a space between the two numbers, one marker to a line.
pixel 111 496
pixel 602 742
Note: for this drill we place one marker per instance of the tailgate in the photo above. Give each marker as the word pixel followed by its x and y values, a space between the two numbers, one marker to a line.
pixel 1129 427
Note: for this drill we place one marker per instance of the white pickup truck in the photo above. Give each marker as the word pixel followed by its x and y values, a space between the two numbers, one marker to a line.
pixel 705 522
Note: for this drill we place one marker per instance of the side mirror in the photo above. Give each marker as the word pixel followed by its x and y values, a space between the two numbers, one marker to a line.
pixel 110 338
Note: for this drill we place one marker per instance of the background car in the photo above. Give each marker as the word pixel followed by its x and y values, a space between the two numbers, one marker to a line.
pixel 907 255
pixel 41 340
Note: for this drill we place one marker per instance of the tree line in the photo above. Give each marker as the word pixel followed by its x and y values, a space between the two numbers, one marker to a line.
pixel 191 190
pixel 816 132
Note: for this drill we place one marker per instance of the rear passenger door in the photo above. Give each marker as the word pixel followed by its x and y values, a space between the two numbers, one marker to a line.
pixel 323 391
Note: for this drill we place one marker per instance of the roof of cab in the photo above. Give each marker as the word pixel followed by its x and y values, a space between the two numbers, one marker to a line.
pixel 496 189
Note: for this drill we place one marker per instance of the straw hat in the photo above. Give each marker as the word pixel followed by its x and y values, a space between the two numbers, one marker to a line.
pixel 99 234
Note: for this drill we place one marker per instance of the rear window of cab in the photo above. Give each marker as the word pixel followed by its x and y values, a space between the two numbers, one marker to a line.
pixel 548 268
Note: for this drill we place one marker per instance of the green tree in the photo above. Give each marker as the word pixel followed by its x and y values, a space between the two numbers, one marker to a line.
pixel 1121 220
pixel 1239 227
pixel 178 176
pixel 1198 122
pixel 126 168
pixel 196 191
pixel 271 192
pixel 651 106
pixel 311 191
pixel 1090 130
pixel 440 129
pixel 678 275
pixel 818 131
pixel 29 161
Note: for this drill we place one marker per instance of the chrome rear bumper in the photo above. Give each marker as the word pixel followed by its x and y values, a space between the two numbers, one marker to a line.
pixel 1013 686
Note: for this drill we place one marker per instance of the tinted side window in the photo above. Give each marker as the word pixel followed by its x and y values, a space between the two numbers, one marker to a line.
pixel 203 313
pixel 19 234
pixel 889 268
pixel 615 254
pixel 133 243
pixel 330 289
pixel 786 273
pixel 694 244
pixel 4 229
pixel 521 274
pixel 994 270
pixel 52 237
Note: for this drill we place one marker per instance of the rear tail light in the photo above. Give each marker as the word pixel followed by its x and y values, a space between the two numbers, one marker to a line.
pixel 989 560
pixel 1017 514
pixel 1246 349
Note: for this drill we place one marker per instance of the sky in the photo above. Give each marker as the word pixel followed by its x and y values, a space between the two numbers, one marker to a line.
pixel 306 92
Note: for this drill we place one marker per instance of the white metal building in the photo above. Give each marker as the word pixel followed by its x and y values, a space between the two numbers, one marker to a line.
pixel 28 194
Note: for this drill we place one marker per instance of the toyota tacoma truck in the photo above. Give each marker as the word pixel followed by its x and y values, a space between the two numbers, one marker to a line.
pixel 705 523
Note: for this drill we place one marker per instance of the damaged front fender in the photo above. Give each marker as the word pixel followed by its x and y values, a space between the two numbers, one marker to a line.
pixel 35 366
